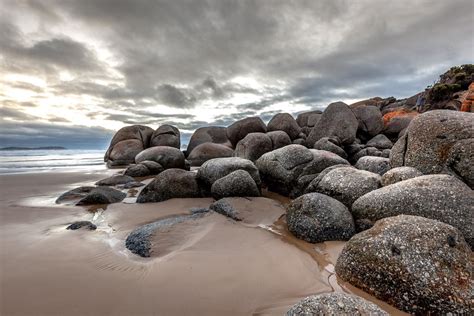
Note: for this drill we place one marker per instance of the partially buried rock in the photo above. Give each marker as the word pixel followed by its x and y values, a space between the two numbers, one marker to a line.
pixel 399 174
pixel 208 151
pixel 137 170
pixel 82 224
pixel 253 146
pixel 154 167
pixel 91 195
pixel 237 183
pixel 441 197
pixel 284 122
pixel 240 129
pixel 315 218
pixel 167 157
pixel 419 265
pixel 378 165
pixel 171 183
pixel 115 180
pixel 335 304
pixel 346 184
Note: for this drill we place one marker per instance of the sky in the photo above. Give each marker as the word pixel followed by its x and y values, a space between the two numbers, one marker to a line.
pixel 73 72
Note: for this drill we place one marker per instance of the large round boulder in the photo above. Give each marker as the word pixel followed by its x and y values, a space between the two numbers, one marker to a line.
pixel 315 218
pixel 214 169
pixel 208 134
pixel 166 135
pixel 279 139
pixel 378 165
pixel 441 197
pixel 237 183
pixel 440 141
pixel 399 174
pixel 335 304
pixel 303 118
pixel 238 130
pixel 126 144
pixel 284 122
pixel 206 151
pixel 167 157
pixel 253 146
pixel 419 265
pixel 336 120
pixel 345 184
pixel 396 125
pixel 170 184
pixel 370 120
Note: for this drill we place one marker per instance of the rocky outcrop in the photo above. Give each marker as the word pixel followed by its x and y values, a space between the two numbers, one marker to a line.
pixel 378 165
pixel 126 144
pixel 171 183
pixel 419 265
pixel 167 157
pixel 399 174
pixel 336 120
pixel 209 134
pixel 240 129
pixel 207 151
pixel 166 135
pixel 439 141
pixel 253 146
pixel 237 183
pixel 335 304
pixel 345 184
pixel 315 218
pixel 284 122
pixel 440 197
pixel 91 195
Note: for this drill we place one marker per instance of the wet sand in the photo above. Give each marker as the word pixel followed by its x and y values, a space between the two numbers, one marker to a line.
pixel 209 266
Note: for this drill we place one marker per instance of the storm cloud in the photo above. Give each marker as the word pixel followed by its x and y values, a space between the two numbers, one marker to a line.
pixel 97 65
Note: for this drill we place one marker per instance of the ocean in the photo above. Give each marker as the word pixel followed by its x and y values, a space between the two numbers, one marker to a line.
pixel 21 161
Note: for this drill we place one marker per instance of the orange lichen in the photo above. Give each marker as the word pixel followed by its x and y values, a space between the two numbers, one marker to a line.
pixel 468 102
pixel 401 112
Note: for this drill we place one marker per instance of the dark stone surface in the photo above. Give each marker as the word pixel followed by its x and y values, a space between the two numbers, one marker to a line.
pixel 284 122
pixel 241 128
pixel 377 165
pixel 137 170
pixel 380 141
pixel 237 183
pixel 126 144
pixel 91 195
pixel 115 180
pixel 370 120
pixel 330 144
pixel 279 139
pixel 253 146
pixel 208 151
pixel 399 174
pixel 166 135
pixel 208 134
pixel 82 224
pixel 167 157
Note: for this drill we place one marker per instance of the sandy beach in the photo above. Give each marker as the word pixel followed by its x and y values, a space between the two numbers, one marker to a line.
pixel 210 266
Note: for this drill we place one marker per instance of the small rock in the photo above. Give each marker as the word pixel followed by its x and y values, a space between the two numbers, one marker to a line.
pixel 380 141
pixel 378 165
pixel 82 224
pixel 137 170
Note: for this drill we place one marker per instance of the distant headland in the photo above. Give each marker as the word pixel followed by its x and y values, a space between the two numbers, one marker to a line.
pixel 34 148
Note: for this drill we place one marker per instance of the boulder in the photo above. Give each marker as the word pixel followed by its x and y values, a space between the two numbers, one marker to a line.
pixel 170 184
pixel 370 120
pixel 237 183
pixel 208 134
pixel 378 165
pixel 279 139
pixel 336 120
pixel 330 144
pixel 316 218
pixel 91 195
pixel 380 141
pixel 314 119
pixel 166 135
pixel 253 146
pixel 440 141
pixel 386 153
pixel 137 170
pixel 440 197
pixel 241 128
pixel 302 118
pixel 284 122
pixel 214 169
pixel 126 144
pixel 154 167
pixel 399 174
pixel 345 184
pixel 397 124
pixel 335 304
pixel 419 265
pixel 367 151
pixel 115 180
pixel 206 151
pixel 299 141
pixel 82 224
pixel 167 157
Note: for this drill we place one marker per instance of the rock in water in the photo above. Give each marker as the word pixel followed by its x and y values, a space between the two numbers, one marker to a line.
pixel 253 146
pixel 208 151
pixel 419 265
pixel 166 135
pixel 167 157
pixel 171 183
pixel 237 183
pixel 345 184
pixel 377 165
pixel 284 122
pixel 337 120
pixel 82 224
pixel 335 304
pixel 126 144
pixel 440 141
pixel 399 174
pixel 240 129
pixel 315 218
pixel 440 197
